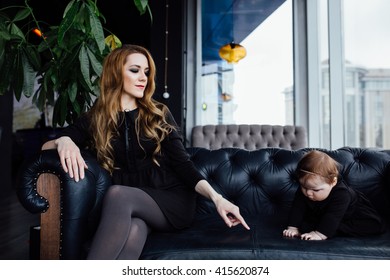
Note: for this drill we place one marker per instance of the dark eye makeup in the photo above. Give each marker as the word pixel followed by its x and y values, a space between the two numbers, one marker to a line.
pixel 136 70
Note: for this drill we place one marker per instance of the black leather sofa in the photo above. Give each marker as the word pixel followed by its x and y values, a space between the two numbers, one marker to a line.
pixel 260 182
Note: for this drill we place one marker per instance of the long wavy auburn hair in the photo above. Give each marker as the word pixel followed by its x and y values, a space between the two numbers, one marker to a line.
pixel 151 121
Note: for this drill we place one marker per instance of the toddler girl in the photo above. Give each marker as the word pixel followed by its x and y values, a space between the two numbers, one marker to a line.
pixel 324 206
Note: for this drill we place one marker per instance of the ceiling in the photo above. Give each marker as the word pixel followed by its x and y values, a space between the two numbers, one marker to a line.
pixel 224 21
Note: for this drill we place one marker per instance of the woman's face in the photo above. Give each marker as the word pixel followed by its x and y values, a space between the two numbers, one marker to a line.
pixel 135 77
pixel 316 187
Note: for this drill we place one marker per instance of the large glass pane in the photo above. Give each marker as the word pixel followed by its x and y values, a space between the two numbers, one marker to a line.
pixel 367 77
pixel 258 89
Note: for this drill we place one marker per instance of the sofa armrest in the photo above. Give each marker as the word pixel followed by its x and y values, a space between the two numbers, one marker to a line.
pixel 76 204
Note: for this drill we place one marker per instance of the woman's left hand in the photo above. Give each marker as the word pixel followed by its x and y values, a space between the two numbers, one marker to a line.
pixel 230 213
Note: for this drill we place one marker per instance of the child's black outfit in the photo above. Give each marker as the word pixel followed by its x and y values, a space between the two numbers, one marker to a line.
pixel 345 212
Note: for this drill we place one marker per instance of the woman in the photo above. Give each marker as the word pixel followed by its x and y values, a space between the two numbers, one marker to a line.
pixel 136 139
pixel 324 206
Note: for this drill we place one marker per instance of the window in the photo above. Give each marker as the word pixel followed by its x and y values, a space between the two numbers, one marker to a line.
pixel 340 86
pixel 354 67
pixel 367 63
pixel 259 88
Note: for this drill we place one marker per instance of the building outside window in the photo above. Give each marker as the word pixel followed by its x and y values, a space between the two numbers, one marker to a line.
pixel 363 90
pixel 367 73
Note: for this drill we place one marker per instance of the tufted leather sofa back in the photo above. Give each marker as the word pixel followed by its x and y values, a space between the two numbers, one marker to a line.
pixel 249 137
pixel 263 181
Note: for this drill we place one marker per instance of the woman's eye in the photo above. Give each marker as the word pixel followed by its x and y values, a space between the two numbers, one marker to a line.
pixel 134 70
pixel 147 73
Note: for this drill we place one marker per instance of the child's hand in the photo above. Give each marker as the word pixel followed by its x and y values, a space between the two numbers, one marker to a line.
pixel 313 235
pixel 291 232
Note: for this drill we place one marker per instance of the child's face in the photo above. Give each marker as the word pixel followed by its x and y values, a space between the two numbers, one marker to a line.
pixel 316 188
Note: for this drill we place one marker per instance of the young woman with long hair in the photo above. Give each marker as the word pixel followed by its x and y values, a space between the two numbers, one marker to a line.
pixel 137 140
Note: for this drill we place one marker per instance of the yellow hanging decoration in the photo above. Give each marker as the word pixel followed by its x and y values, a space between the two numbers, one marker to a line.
pixel 232 52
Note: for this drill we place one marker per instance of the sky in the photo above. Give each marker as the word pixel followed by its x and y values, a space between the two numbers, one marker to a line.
pixel 267 70
pixel 367 32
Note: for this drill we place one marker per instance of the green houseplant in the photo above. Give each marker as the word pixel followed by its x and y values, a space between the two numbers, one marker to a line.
pixel 64 67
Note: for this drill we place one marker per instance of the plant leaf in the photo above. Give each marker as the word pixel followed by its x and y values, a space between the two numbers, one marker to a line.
pixel 96 65
pixel 84 65
pixel 2 51
pixel 67 21
pixel 4 35
pixel 76 107
pixel 28 76
pixel 18 76
pixel 33 56
pixel 50 39
pixel 6 70
pixel 67 8
pixel 22 14
pixel 40 99
pixel 72 92
pixel 51 97
pixel 96 29
pixel 63 103
pixel 15 30
pixel 141 5
pixel 150 14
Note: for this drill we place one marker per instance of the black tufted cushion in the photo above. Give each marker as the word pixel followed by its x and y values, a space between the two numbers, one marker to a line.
pixel 367 170
pixel 263 180
pixel 258 181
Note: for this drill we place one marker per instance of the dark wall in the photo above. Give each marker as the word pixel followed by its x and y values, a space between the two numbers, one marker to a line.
pixel 175 54
pixel 124 20
pixel 6 110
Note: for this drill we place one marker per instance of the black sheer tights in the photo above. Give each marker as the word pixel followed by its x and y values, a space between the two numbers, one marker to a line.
pixel 128 215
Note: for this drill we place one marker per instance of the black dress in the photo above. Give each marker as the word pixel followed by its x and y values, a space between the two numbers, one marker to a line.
pixel 345 212
pixel 171 184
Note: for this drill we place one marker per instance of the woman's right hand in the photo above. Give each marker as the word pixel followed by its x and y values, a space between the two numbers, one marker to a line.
pixel 70 157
